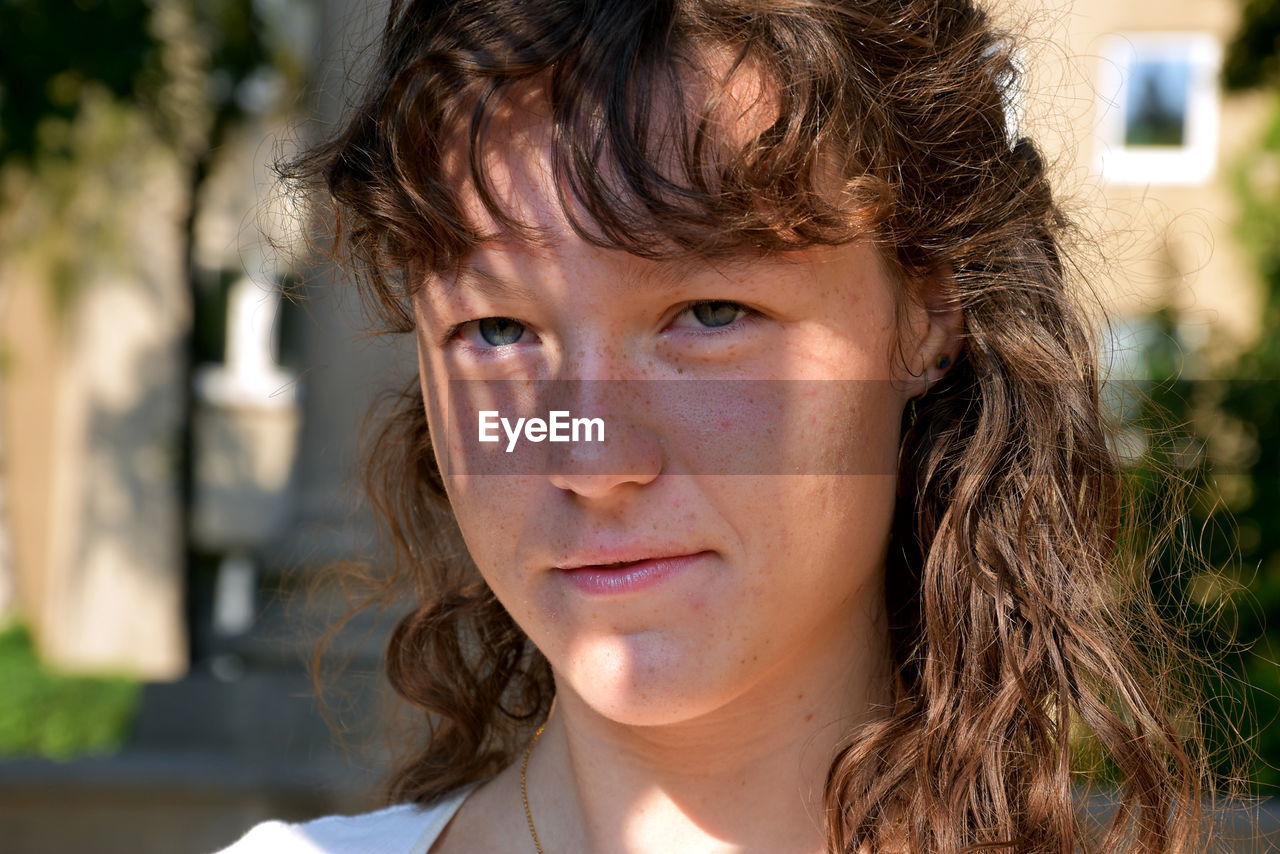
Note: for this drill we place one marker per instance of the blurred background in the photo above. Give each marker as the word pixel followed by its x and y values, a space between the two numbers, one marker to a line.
pixel 178 440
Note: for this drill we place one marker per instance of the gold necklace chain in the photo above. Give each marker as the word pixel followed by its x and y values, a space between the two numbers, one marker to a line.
pixel 524 790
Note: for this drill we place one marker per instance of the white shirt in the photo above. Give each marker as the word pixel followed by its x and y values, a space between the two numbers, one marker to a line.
pixel 399 829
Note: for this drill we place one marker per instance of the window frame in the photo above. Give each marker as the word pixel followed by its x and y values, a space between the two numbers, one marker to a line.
pixel 1192 163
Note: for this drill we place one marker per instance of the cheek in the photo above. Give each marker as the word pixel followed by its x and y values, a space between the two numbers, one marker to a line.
pixel 488 510
pixel 783 427
pixel 852 428
pixel 814 527
pixel 813 571
pixel 806 535
pixel 486 507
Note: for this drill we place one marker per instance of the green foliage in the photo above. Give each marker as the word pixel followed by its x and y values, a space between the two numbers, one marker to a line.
pixel 1202 492
pixel 1210 478
pixel 1251 401
pixel 1253 57
pixel 50 50
pixel 43 713
pixel 53 53
pixel 89 89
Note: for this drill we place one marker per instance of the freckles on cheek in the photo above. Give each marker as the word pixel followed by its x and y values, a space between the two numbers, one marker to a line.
pixel 792 426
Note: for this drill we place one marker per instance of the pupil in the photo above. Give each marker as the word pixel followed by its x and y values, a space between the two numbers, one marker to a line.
pixel 715 313
pixel 500 330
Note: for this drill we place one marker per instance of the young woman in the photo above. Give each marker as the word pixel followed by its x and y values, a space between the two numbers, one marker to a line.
pixel 842 573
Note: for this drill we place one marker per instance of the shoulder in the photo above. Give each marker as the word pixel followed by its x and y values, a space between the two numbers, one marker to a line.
pixel 399 829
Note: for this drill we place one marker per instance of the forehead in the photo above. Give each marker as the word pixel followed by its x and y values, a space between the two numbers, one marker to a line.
pixel 511 164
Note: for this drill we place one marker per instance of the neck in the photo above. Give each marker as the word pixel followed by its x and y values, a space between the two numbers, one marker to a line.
pixel 748 776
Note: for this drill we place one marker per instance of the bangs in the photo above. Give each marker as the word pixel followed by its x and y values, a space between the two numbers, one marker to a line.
pixel 666 134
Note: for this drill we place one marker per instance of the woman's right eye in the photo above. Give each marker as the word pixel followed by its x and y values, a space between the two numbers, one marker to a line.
pixel 495 331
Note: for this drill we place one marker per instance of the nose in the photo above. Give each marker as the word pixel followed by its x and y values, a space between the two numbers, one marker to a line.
pixel 596 486
pixel 632 451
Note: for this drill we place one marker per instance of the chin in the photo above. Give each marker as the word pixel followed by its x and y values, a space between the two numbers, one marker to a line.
pixel 623 684
pixel 649 710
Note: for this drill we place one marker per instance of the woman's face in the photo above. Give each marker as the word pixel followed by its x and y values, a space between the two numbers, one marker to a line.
pixel 757 435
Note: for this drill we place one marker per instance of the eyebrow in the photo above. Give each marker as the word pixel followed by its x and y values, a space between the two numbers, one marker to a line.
pixel 489 284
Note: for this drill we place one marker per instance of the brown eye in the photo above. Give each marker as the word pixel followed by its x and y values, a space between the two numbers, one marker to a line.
pixel 499 331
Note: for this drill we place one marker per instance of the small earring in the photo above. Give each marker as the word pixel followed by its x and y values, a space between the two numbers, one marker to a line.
pixel 943 361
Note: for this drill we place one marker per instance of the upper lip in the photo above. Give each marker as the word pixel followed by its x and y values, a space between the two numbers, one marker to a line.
pixel 621 554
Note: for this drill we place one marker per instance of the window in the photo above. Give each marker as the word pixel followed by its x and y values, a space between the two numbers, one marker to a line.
pixel 1158 108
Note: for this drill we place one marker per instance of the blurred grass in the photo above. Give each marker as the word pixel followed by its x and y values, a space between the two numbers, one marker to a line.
pixel 57 716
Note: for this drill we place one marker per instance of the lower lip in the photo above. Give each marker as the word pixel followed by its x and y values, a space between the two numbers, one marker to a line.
pixel 634 577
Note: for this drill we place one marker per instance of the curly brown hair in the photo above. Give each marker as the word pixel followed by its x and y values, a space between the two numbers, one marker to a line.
pixel 1018 622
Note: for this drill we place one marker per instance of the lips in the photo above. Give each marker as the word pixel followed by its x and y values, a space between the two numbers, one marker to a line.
pixel 616 557
pixel 623 577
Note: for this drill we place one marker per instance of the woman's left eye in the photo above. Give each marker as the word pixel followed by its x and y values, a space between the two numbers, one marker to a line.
pixel 714 315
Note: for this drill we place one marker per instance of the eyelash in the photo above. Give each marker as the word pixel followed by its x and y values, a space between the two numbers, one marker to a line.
pixel 748 313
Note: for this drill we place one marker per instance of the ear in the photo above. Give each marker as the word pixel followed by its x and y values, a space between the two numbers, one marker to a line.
pixel 936 330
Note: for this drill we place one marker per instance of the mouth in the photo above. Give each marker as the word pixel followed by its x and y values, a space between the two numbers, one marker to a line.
pixel 630 576
pixel 587 562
